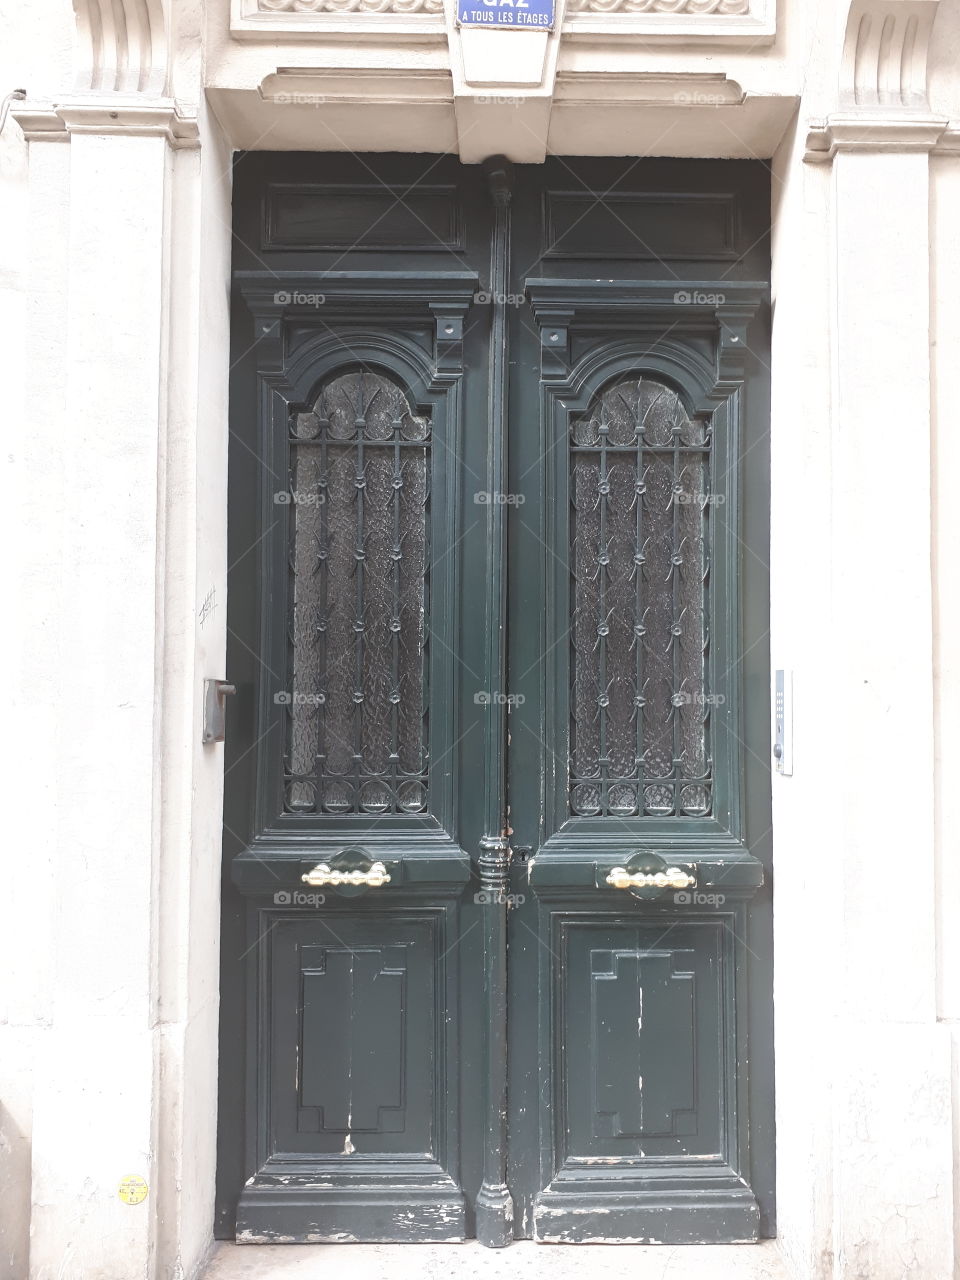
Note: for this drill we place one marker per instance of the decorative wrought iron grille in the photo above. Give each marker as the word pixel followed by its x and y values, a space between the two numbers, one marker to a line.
pixel 356 712
pixel 640 469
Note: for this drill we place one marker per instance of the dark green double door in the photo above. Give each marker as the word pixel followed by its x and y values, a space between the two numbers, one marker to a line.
pixel 496 932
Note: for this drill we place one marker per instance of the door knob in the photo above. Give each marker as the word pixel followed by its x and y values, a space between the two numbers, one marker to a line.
pixel 375 876
pixel 670 878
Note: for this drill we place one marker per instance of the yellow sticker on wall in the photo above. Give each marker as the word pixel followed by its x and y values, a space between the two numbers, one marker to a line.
pixel 132 1189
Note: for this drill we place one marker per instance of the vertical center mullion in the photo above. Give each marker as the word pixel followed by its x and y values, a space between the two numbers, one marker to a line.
pixel 638 626
pixel 395 622
pixel 675 626
pixel 358 622
pixel 323 553
pixel 602 618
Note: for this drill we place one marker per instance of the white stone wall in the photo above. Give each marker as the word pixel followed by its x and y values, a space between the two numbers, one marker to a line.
pixel 807 909
pixel 945 295
pixel 33 409
pixel 117 260
pixel 114 275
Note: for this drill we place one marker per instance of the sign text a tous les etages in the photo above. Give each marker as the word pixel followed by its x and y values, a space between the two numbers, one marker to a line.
pixel 519 14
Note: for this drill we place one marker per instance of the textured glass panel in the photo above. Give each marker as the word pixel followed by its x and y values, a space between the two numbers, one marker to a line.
pixel 360 496
pixel 639 476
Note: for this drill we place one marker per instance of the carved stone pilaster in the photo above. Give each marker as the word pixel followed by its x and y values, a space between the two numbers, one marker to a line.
pixel 885 53
pixel 882 91
pixel 122 47
pixel 122 82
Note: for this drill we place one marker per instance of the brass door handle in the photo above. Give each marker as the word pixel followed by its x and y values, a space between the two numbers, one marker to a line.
pixel 671 878
pixel 375 876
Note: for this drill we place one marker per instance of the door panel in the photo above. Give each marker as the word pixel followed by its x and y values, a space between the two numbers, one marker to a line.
pixel 356 1020
pixel 638 1102
pixel 495 799
pixel 643 1131
pixel 354 385
pixel 637 624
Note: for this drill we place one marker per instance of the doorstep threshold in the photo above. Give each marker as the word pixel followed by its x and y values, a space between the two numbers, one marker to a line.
pixel 521 1261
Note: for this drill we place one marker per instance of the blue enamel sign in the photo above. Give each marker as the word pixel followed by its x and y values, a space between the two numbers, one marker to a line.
pixel 521 15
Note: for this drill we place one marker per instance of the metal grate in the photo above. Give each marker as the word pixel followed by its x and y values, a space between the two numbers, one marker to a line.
pixel 359 495
pixel 639 475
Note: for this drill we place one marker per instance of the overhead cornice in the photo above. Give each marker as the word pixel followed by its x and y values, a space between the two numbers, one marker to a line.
pixel 882 131
pixel 108 115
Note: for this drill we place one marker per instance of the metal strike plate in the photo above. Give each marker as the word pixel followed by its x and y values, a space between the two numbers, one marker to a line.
pixel 215 693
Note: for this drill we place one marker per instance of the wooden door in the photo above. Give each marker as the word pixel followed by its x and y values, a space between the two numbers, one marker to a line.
pixel 496 936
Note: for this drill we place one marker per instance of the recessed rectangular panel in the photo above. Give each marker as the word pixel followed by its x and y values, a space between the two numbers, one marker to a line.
pixel 641 1054
pixel 646 226
pixel 354 1050
pixel 643 1001
pixel 355 218
pixel 352 1039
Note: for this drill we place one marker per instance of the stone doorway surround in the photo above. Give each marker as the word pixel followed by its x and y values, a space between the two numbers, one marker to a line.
pixel 118 271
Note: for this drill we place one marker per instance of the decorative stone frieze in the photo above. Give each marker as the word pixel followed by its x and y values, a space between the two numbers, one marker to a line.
pixel 272 20
pixel 715 21
pixel 696 7
pixel 350 6
pixel 651 6
pixel 721 20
